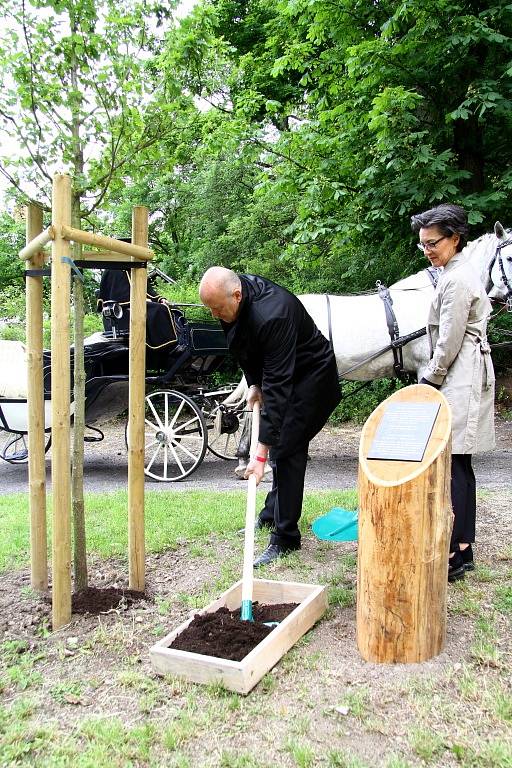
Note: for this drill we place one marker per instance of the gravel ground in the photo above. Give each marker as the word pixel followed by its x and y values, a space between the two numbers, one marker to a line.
pixel 333 464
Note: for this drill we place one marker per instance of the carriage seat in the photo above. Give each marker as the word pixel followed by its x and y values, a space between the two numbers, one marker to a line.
pixel 165 325
pixel 13 370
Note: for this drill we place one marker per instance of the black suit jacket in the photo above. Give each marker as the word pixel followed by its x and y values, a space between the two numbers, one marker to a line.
pixel 280 349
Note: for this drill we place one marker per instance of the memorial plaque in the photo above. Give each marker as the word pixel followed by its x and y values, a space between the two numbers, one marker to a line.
pixel 404 431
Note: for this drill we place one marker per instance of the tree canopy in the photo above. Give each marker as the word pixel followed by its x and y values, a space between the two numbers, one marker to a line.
pixel 349 117
pixel 294 138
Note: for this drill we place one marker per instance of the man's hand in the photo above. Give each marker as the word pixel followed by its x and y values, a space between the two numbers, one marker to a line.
pixel 255 468
pixel 257 463
pixel 254 395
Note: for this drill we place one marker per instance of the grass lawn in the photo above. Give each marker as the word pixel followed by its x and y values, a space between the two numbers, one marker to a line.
pixel 86 696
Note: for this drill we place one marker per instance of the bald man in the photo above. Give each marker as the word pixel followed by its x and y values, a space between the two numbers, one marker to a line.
pixel 291 370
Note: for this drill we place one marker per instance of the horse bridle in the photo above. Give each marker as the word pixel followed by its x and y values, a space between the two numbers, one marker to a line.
pixel 498 255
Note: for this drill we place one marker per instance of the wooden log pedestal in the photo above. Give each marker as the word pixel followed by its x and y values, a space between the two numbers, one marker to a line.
pixel 405 521
pixel 242 676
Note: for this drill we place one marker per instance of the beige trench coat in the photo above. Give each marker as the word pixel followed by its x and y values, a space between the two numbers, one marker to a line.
pixel 461 357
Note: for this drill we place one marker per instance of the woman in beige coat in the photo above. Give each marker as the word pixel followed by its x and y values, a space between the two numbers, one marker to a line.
pixel 460 364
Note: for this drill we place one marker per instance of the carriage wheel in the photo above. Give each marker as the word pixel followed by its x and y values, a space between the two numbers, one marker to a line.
pixel 225 427
pixel 15 449
pixel 175 436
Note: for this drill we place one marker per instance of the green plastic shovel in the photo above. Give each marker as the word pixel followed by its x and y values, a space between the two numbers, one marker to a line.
pixel 337 525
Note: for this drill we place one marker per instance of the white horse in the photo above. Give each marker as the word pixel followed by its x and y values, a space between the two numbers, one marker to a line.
pixel 359 329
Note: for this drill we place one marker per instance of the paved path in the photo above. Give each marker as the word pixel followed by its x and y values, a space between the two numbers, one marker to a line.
pixel 333 464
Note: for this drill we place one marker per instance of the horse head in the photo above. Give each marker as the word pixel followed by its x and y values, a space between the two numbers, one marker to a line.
pixel 500 270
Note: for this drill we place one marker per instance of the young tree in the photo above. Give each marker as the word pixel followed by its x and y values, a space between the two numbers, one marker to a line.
pixel 79 96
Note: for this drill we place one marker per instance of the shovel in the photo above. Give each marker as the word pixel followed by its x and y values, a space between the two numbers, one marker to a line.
pixel 250 515
pixel 337 525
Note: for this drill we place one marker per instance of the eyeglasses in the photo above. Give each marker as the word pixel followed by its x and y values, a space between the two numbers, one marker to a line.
pixel 430 244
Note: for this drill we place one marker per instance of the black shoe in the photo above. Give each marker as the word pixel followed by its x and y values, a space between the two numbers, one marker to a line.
pixel 467 558
pixel 270 554
pixel 456 567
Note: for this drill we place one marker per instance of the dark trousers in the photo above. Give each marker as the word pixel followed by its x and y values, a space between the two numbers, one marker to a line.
pixel 463 500
pixel 283 505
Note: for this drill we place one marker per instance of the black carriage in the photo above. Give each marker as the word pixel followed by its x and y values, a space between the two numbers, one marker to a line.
pixel 184 416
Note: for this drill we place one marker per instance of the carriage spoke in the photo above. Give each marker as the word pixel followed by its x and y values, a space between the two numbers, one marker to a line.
pixel 150 424
pixel 155 414
pixel 176 444
pixel 166 459
pixel 186 424
pixel 177 458
pixel 153 458
pixel 176 415
pixel 166 410
pixel 150 445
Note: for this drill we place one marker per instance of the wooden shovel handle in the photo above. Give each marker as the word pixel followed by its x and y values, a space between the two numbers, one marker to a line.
pixel 250 513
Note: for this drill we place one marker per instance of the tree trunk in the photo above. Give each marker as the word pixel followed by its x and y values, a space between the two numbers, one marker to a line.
pixel 468 144
pixel 77 467
pixel 77 464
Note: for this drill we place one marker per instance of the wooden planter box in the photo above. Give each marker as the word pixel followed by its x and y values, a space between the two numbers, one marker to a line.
pixel 242 676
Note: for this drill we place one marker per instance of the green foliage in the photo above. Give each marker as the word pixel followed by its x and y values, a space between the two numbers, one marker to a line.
pixel 12 240
pixel 347 118
pixel 358 405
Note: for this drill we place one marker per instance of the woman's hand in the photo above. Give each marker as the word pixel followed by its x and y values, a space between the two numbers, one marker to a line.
pixel 429 383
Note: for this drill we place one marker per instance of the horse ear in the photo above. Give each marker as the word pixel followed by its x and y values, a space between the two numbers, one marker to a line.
pixel 499 230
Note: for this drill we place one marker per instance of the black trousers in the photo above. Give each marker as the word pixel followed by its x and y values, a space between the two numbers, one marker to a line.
pixel 283 505
pixel 463 500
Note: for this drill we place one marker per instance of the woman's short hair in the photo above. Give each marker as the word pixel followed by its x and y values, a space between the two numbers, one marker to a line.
pixel 449 219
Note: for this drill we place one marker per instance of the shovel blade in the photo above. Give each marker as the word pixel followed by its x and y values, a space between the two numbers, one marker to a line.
pixel 337 525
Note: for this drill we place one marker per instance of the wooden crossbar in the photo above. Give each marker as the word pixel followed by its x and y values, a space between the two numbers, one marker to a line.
pixel 108 243
pixel 37 244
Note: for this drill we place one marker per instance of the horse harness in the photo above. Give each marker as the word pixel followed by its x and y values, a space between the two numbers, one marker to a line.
pixel 392 323
pixel 397 341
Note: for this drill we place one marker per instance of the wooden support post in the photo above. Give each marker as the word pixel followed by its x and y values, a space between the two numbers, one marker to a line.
pixel 61 481
pixel 137 387
pixel 405 521
pixel 36 416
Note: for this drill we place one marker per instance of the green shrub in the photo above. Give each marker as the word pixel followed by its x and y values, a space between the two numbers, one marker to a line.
pixel 357 406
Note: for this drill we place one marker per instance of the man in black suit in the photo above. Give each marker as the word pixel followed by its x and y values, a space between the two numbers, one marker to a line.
pixel 291 370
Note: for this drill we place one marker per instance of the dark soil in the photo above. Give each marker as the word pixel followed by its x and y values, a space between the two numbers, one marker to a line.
pixel 93 600
pixel 224 635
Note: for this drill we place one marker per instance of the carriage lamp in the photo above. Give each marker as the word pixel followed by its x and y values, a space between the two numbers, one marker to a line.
pixel 114 312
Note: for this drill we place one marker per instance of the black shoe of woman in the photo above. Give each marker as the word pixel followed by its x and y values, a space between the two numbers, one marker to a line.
pixel 467 558
pixel 456 567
